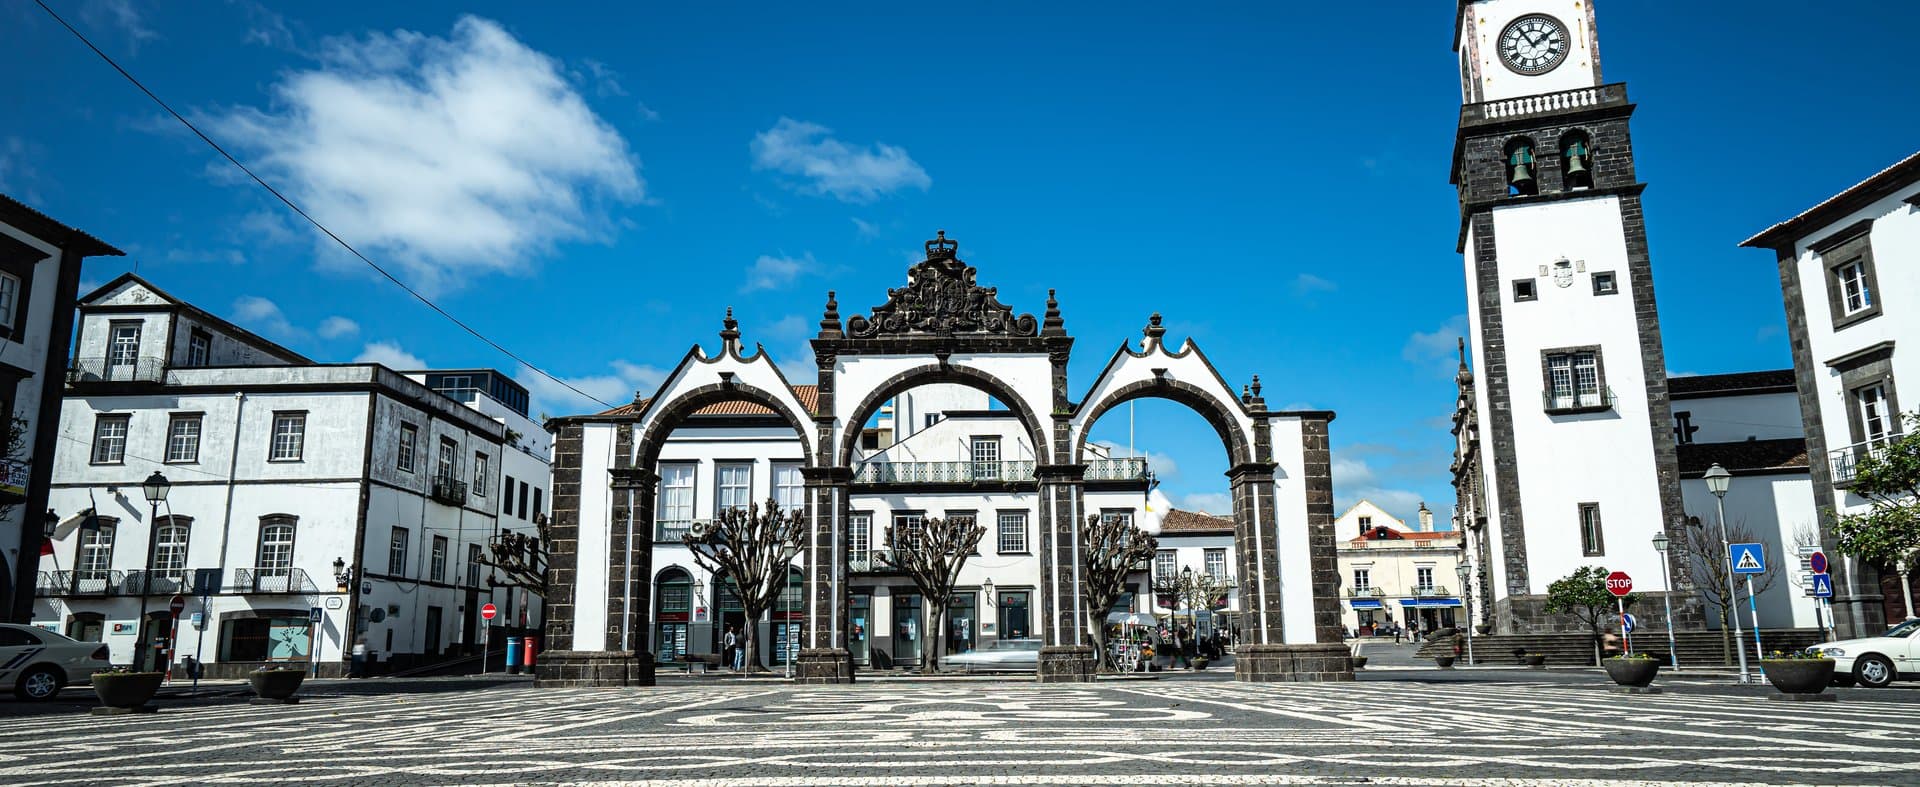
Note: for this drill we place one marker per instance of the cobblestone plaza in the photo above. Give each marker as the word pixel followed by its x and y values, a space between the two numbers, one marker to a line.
pixel 1394 728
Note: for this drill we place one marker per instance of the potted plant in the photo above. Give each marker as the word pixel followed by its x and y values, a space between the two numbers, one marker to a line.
pixel 1800 673
pixel 124 691
pixel 1199 663
pixel 276 685
pixel 1358 662
pixel 1443 662
pixel 1535 660
pixel 1634 669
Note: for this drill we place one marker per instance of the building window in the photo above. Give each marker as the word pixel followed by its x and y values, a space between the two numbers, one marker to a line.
pixel 676 501
pixel 1574 380
pixel 1423 579
pixel 275 555
pixel 183 438
pixel 1366 522
pixel 199 348
pixel 1856 295
pixel 1875 422
pixel 438 566
pixel 397 553
pixel 96 553
pixel 859 538
pixel 170 548
pixel 1524 290
pixel 110 439
pixel 986 458
pixel 9 300
pixel 289 437
pixel 906 531
pixel 789 487
pixel 962 521
pixel 735 487
pixel 1123 515
pixel 1519 169
pixel 406 453
pixel 481 469
pixel 449 467
pixel 1216 563
pixel 1591 542
pixel 124 347
pixel 506 493
pixel 1165 565
pixel 536 501
pixel 1362 579
pixel 523 499
pixel 473 565
pixel 1853 291
pixel 930 420
pixel 1604 283
pixel 1013 532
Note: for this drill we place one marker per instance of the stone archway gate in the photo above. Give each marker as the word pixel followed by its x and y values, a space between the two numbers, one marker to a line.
pixel 943 327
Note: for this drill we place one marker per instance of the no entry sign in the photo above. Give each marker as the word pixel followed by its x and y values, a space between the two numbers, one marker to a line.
pixel 176 605
pixel 487 611
pixel 1619 584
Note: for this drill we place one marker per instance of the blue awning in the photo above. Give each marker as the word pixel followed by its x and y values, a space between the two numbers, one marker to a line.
pixel 1429 602
pixel 1366 603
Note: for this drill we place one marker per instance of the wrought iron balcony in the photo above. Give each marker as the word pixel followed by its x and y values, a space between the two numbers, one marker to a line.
pixel 942 472
pixel 1124 469
pixel 101 369
pixel 670 531
pixel 273 580
pixel 83 583
pixel 1366 592
pixel 165 583
pixel 1563 402
pixel 871 560
pixel 1431 591
pixel 451 491
pixel 1846 461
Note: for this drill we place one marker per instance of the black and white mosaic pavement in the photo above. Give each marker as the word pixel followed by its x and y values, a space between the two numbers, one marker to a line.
pixel 1395 732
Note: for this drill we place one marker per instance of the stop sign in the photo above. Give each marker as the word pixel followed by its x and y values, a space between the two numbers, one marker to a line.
pixel 1619 584
pixel 177 605
pixel 487 611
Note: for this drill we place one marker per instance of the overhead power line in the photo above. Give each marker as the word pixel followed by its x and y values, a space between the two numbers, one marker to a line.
pixel 311 220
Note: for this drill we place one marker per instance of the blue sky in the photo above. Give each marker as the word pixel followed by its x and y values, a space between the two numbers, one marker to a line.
pixel 594 186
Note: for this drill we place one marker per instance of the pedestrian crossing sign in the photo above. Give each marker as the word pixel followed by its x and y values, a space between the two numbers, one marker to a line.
pixel 1822 586
pixel 1747 558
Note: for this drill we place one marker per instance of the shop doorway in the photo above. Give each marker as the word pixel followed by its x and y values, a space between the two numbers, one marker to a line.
pixel 961 618
pixel 859 610
pixel 1016 621
pixel 906 628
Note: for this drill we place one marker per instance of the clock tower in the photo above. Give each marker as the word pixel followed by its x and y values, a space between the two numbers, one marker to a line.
pixel 1570 407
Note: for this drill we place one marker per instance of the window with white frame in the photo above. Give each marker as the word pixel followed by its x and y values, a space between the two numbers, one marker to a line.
pixel 1216 563
pixel 123 347
pixel 289 437
pixel 110 439
pixel 170 548
pixel 906 531
pixel 1875 425
pixel 962 521
pixel 9 300
pixel 1362 579
pixel 985 455
pixel 473 565
pixel 397 553
pixel 438 561
pixel 96 552
pixel 199 348
pixel 183 438
pixel 734 486
pixel 1856 294
pixel 859 538
pixel 481 469
pixel 1013 532
pixel 1122 515
pixel 1165 565
pixel 275 554
pixel 789 487
pixel 1573 379
pixel 449 467
pixel 1591 541
pixel 405 453
pixel 1423 578
pixel 676 497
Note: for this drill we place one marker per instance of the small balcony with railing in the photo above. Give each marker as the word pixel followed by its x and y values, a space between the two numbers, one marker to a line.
pixel 273 580
pixel 1366 592
pixel 65 584
pixel 1845 462
pixel 163 583
pixel 122 369
pixel 1431 591
pixel 1506 109
pixel 869 561
pixel 671 531
pixel 449 490
pixel 943 472
pixel 1123 469
pixel 1564 402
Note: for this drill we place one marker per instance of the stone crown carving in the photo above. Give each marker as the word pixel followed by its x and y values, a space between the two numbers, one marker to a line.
pixel 941 298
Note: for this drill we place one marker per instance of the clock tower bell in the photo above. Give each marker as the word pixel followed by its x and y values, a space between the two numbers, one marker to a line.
pixel 1577 459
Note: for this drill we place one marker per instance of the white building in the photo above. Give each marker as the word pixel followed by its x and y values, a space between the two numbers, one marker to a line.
pixel 1198 542
pixel 1395 574
pixel 39 279
pixel 1847 272
pixel 350 492
pixel 1574 455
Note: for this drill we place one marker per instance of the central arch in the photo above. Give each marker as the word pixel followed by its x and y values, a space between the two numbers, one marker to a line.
pixel 935 374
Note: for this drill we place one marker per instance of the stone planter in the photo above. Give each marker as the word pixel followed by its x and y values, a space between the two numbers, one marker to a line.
pixel 1637 673
pixel 276 686
pixel 1358 662
pixel 1536 660
pixel 1199 664
pixel 1443 662
pixel 1483 629
pixel 125 692
pixel 1803 677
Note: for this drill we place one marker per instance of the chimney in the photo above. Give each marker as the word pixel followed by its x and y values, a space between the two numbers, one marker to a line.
pixel 1426 519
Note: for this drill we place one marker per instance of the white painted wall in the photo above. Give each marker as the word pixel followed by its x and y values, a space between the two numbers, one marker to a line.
pixel 1778 509
pixel 28 351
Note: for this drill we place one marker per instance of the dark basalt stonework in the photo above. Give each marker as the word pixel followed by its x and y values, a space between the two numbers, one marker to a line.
pixel 941 297
pixel 575 669
pixel 1066 664
pixel 824 665
pixel 1292 663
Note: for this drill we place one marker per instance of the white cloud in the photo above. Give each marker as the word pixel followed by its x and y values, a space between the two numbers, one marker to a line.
pixel 1163 465
pixel 1307 283
pixel 830 167
pixel 122 15
pixel 390 355
pixel 1215 503
pixel 264 316
pixel 16 167
pixel 449 157
pixel 337 327
pixel 1437 350
pixel 770 272
pixel 229 256
pixel 865 229
pixel 1156 510
pixel 1354 480
pixel 616 387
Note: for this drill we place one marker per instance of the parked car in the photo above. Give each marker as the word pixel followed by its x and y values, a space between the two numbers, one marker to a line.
pixel 1007 655
pixel 1876 661
pixel 39 662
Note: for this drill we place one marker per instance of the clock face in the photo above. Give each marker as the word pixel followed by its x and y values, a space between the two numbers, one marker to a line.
pixel 1534 44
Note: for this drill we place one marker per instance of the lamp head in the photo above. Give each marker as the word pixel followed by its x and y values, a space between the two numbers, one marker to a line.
pixel 48 523
pixel 1660 542
pixel 1718 479
pixel 156 488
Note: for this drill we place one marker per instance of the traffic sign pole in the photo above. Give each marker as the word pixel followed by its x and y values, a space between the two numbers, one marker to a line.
pixel 1626 631
pixel 1753 606
pixel 487 611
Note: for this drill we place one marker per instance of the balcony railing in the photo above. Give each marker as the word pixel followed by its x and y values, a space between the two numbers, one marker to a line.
pixel 1514 108
pixel 84 583
pixel 144 369
pixel 1431 591
pixel 671 530
pixel 1125 469
pixel 165 583
pixel 1582 402
pixel 1846 461
pixel 942 472
pixel 451 491
pixel 1366 592
pixel 273 580
pixel 870 560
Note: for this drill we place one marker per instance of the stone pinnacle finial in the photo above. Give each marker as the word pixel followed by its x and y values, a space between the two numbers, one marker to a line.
pixel 1246 395
pixel 830 320
pixel 1053 324
pixel 730 331
pixel 941 247
pixel 1153 331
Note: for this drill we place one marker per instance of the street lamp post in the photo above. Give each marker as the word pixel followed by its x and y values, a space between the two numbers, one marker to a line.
pixel 1666 598
pixel 1718 479
pixel 1462 570
pixel 155 488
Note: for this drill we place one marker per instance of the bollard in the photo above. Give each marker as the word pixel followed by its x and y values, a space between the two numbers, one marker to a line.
pixel 527 647
pixel 513 655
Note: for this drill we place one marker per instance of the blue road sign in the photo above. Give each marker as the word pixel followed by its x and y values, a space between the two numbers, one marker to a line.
pixel 1818 562
pixel 1823 586
pixel 1747 558
pixel 1628 622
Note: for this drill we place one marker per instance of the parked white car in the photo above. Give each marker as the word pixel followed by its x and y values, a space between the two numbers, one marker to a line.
pixel 39 662
pixel 1877 661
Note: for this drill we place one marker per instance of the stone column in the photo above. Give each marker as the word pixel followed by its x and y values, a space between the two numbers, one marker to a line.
pixel 824 657
pixel 1269 658
pixel 559 664
pixel 1066 656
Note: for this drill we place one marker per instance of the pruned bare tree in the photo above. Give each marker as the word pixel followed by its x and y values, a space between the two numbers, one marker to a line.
pixel 751 547
pixel 1707 563
pixel 1110 549
pixel 932 551
pixel 522 558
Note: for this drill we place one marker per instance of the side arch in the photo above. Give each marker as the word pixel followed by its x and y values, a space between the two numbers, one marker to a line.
pixel 1206 404
pixel 661 421
pixel 935 374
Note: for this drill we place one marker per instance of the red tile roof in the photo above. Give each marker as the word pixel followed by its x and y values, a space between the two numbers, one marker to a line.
pixel 809 396
pixel 1178 521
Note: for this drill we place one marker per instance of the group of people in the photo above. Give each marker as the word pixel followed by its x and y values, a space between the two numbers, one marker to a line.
pixel 733 648
pixel 1145 649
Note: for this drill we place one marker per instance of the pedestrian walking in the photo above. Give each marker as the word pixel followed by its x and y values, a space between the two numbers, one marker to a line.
pixel 740 650
pixel 729 644
pixel 358 667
